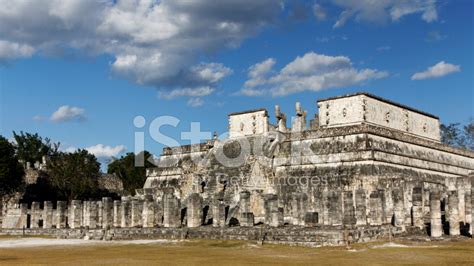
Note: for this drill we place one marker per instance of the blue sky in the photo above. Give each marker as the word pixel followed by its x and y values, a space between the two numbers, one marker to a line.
pixel 106 62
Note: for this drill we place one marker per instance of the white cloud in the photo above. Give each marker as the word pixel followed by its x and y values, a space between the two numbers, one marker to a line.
pixel 70 149
pixel 310 72
pixel 12 50
pixel 439 70
pixel 67 113
pixel 103 151
pixel 195 102
pixel 154 43
pixel 384 10
pixel 186 92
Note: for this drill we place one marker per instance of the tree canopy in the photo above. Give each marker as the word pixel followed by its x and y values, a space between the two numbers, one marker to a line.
pixel 11 172
pixel 74 175
pixel 457 135
pixel 133 177
pixel 32 147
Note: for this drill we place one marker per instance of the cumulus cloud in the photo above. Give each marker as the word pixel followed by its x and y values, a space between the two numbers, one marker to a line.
pixel 103 151
pixel 384 10
pixel 310 72
pixel 67 113
pixel 154 43
pixel 439 70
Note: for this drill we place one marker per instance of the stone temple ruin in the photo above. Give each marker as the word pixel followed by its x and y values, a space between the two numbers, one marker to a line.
pixel 363 168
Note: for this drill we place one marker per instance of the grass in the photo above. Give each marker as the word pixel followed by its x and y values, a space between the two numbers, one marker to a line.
pixel 244 253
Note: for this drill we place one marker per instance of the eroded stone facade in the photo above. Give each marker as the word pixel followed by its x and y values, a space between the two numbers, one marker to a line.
pixel 364 162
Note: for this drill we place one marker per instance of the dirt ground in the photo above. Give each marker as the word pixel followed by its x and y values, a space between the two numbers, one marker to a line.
pixel 236 253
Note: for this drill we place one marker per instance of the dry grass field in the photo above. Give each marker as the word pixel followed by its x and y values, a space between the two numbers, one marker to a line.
pixel 241 253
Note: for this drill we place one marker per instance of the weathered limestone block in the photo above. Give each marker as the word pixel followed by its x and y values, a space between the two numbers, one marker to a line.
pixel 271 205
pixel 436 227
pixel 361 207
pixel 171 211
pixel 335 211
pixel 276 218
pixel 117 213
pixel 107 213
pixel 35 215
pixel 281 119
pixel 453 213
pixel 376 208
pixel 349 210
pixel 298 208
pixel 311 219
pixel 194 210
pixel 93 214
pixel 218 212
pixel 158 213
pixel 246 219
pixel 47 214
pixel 99 214
pixel 75 214
pixel 398 208
pixel 61 214
pixel 126 212
pixel 244 202
pixel 136 213
pixel 148 214
pixel 299 121
pixel 86 207
pixel 417 208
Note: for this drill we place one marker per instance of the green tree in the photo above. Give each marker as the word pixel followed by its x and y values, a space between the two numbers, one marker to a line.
pixel 11 172
pixel 133 177
pixel 32 147
pixel 74 175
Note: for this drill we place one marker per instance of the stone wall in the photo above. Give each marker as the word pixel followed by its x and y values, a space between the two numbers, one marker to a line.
pixel 314 237
pixel 366 108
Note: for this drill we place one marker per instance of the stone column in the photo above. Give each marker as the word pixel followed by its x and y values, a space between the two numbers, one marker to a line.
pixel 126 213
pixel 158 213
pixel 117 213
pixel 361 207
pixel 244 202
pixel 218 212
pixel 194 210
pixel 107 213
pixel 349 210
pixel 35 214
pixel 75 214
pixel 271 205
pixel 298 208
pixel 61 214
pixel 148 214
pixel 398 209
pixel 417 208
pixel 335 211
pixel 277 218
pixel 136 213
pixel 376 208
pixel 453 211
pixel 93 214
pixel 48 214
pixel 171 211
pixel 246 216
pixel 86 214
pixel 436 226
pixel 247 219
pixel 468 209
pixel 99 214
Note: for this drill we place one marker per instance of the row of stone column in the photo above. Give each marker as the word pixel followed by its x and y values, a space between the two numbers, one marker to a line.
pixel 452 214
